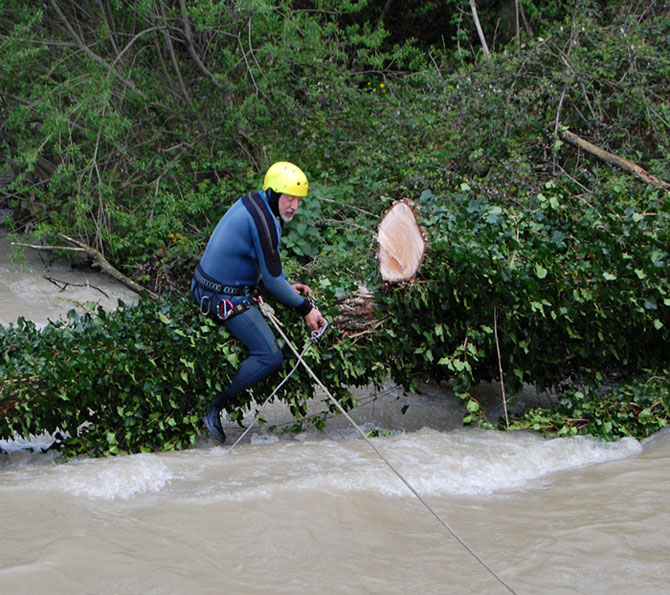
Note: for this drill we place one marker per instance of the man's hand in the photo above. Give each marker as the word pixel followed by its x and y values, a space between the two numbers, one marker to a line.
pixel 300 288
pixel 315 319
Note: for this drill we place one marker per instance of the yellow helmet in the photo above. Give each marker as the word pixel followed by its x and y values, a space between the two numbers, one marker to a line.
pixel 285 178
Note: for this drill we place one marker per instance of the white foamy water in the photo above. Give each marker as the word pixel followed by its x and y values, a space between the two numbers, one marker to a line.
pixel 463 462
pixel 287 516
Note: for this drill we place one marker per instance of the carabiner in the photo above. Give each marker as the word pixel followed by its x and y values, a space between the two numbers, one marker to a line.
pixel 202 305
pixel 225 309
pixel 318 334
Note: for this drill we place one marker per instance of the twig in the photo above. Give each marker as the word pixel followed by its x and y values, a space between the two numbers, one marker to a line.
pixel 558 111
pixel 63 285
pixel 323 198
pixel 500 370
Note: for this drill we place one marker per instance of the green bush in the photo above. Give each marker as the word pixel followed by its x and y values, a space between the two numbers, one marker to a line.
pixel 137 146
pixel 132 380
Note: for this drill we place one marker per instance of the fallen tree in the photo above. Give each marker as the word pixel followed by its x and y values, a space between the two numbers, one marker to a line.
pixel 98 260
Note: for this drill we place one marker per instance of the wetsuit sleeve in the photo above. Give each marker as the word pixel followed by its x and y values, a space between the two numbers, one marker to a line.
pixel 265 237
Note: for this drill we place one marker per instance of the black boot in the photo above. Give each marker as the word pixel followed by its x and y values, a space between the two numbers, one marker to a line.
pixel 213 424
pixel 213 418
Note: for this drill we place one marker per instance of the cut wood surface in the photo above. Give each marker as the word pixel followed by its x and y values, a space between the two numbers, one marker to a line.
pixel 400 244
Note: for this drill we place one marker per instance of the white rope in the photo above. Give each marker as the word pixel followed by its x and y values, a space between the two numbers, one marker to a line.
pixel 274 392
pixel 269 313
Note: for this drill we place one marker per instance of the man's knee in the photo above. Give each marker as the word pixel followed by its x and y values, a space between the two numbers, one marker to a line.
pixel 274 360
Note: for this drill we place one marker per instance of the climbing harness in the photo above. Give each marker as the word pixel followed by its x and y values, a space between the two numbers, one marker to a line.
pixel 205 281
pixel 219 304
pixel 315 338
pixel 225 309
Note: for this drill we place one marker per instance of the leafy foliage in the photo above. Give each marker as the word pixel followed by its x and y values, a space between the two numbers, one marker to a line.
pixel 636 409
pixel 133 127
pixel 112 382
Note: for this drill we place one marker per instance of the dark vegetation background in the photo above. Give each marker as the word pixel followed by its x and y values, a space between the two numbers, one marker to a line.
pixel 131 126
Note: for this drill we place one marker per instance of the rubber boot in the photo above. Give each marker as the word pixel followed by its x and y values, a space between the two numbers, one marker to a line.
pixel 213 418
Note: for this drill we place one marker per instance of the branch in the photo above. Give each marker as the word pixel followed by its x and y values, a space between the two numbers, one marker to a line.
pixel 500 370
pixel 82 46
pixel 478 26
pixel 99 261
pixel 191 47
pixel 613 159
pixel 385 11
pixel 63 285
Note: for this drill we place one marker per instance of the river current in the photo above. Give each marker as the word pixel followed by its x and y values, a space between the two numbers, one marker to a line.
pixel 320 512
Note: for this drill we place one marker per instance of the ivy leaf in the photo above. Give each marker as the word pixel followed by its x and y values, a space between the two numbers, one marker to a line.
pixel 540 271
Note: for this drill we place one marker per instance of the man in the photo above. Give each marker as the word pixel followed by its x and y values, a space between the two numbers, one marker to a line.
pixel 243 248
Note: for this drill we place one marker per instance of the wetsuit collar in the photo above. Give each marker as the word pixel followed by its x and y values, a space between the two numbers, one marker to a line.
pixel 272 198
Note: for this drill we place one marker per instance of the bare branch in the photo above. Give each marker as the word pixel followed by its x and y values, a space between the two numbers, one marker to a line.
pixel 478 26
pixel 107 17
pixel 101 262
pixel 500 370
pixel 82 46
pixel 173 57
pixel 63 285
pixel 613 159
pixel 188 33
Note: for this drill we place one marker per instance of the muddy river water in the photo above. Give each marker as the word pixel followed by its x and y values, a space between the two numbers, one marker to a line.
pixel 320 512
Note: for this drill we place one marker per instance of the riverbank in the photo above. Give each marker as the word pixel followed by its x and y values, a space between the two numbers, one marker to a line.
pixel 39 289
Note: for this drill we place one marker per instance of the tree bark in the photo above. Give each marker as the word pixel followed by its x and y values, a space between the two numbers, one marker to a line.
pixel 478 26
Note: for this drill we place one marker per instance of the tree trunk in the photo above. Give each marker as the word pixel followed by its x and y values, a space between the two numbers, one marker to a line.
pixel 400 244
pixel 478 26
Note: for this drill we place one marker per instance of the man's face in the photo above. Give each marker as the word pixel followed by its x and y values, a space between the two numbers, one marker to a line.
pixel 288 206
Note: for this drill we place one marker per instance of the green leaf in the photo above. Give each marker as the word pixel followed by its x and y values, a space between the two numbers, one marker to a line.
pixel 540 271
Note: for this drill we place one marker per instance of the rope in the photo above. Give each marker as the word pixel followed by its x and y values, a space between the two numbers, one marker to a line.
pixel 274 392
pixel 269 313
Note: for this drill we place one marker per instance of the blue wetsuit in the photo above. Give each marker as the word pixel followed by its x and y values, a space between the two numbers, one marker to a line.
pixel 244 248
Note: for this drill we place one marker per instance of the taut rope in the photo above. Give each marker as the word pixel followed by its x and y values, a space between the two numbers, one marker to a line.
pixel 269 313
